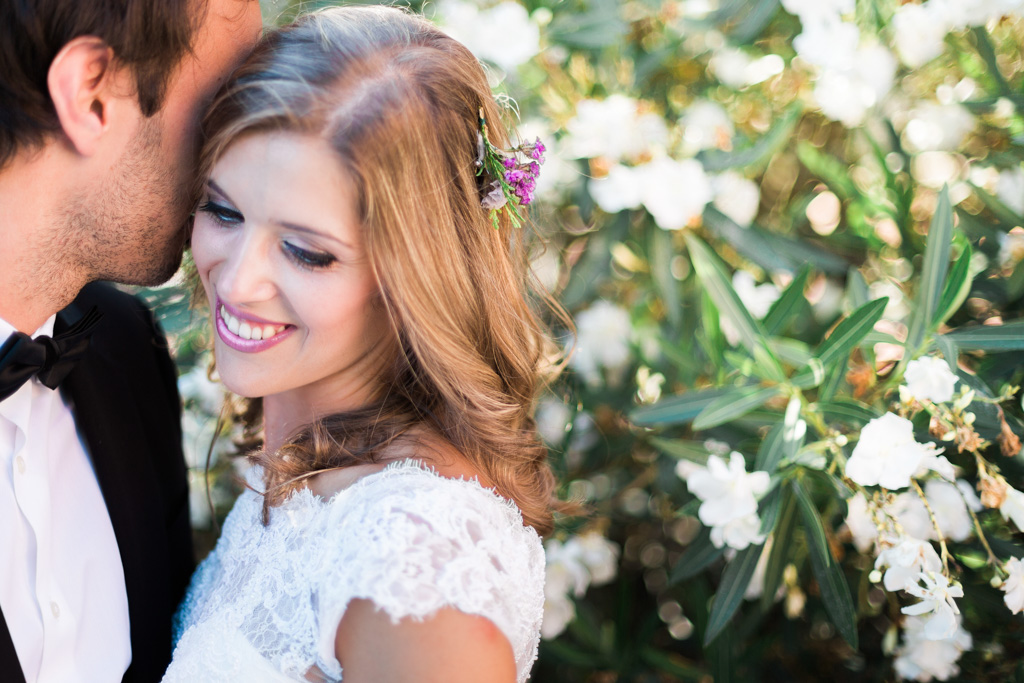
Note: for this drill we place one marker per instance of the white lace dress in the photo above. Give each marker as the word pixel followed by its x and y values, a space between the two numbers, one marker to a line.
pixel 266 604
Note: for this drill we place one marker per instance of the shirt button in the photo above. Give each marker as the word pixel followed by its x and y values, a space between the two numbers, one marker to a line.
pixel 55 608
pixel 20 461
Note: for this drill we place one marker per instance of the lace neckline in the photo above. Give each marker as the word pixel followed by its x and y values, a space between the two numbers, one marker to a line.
pixel 304 498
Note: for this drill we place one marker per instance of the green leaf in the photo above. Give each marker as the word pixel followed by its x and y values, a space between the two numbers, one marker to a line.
pixel 1005 337
pixel 734 404
pixel 719 287
pixel 835 591
pixel 782 538
pixel 660 255
pixel 599 27
pixel 677 409
pixel 730 592
pixel 958 286
pixel 949 350
pixel 847 411
pixel 759 151
pixel 933 276
pixel 768 509
pixel 672 664
pixel 833 380
pixel 753 23
pixel 699 555
pixel 769 453
pixel 834 172
pixel 851 331
pixel 789 304
pixel 681 449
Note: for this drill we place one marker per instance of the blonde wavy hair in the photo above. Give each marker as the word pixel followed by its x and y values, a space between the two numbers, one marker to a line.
pixel 398 101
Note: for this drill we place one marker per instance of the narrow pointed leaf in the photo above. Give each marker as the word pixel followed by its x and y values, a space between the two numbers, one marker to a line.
pixel 718 285
pixel 949 350
pixel 730 592
pixel 782 538
pixel 849 333
pixel 1005 337
pixel 835 591
pixel 681 449
pixel 958 286
pixel 769 453
pixel 848 411
pixel 734 404
pixel 789 304
pixel 933 274
pixel 677 409
pixel 699 555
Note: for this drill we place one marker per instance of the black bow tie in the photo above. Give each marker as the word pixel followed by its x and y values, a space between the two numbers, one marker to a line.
pixel 50 359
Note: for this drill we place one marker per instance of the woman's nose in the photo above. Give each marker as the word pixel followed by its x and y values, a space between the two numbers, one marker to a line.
pixel 246 274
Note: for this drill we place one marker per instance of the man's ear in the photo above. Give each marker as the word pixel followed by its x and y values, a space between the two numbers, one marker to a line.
pixel 80 80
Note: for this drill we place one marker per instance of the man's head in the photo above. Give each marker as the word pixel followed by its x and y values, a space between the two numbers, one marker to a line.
pixel 104 98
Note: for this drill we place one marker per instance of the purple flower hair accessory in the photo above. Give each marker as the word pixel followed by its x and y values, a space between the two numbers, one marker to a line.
pixel 513 179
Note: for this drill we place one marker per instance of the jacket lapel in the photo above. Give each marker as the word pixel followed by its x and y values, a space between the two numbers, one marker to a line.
pixel 9 663
pixel 109 421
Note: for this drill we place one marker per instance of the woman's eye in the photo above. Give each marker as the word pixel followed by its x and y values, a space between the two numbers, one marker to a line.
pixel 220 213
pixel 308 259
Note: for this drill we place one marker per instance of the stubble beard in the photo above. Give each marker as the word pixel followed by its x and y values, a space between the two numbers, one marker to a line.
pixel 134 231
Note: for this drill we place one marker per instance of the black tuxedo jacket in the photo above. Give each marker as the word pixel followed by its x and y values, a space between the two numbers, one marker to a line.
pixel 127 411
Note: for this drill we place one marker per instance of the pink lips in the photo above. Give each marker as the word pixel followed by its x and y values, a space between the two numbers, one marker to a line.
pixel 248 345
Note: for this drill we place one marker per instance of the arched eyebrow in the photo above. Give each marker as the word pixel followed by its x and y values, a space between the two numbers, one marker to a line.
pixel 217 189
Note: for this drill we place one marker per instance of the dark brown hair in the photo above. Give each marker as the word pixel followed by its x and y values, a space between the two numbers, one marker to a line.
pixel 150 37
pixel 398 101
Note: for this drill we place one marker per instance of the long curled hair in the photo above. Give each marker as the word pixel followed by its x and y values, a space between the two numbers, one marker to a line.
pixel 398 101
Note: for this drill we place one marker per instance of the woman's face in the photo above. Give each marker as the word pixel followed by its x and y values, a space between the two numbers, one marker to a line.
pixel 279 249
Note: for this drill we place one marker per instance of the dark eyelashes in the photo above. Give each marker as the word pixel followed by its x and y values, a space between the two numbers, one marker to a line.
pixel 310 260
pixel 221 213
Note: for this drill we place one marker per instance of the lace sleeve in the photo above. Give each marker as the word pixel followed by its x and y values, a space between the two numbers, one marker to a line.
pixel 413 542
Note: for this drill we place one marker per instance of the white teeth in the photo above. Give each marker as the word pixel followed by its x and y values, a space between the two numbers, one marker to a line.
pixel 249 330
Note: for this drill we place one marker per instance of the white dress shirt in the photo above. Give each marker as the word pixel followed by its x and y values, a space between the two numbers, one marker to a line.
pixel 61 581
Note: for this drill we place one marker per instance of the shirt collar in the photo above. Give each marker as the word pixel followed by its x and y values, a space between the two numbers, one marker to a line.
pixel 7 329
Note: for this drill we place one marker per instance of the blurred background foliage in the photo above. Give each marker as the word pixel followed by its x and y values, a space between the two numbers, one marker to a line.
pixel 728 180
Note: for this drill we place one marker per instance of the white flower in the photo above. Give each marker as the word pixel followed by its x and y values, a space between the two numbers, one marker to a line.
pixel 674 192
pixel 1013 586
pixel 504 34
pixel 1013 507
pixel 936 597
pixel 860 522
pixel 736 196
pixel 960 14
pixel 565 571
pixel 846 94
pixel 553 418
pixel 830 45
pixel 947 502
pixel 604 331
pixel 1010 189
pixel 929 379
pixel 811 10
pixel 906 561
pixel 734 68
pixel 613 128
pixel 887 454
pixel 921 659
pixel 706 125
pixel 919 33
pixel 599 555
pixel 558 612
pixel 738 533
pixel 729 496
pixel 757 299
pixel 938 127
pixel 617 191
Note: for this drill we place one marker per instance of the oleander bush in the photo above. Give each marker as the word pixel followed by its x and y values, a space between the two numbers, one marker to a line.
pixel 790 234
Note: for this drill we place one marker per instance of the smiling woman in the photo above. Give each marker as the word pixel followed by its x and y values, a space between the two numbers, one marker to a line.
pixel 375 316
